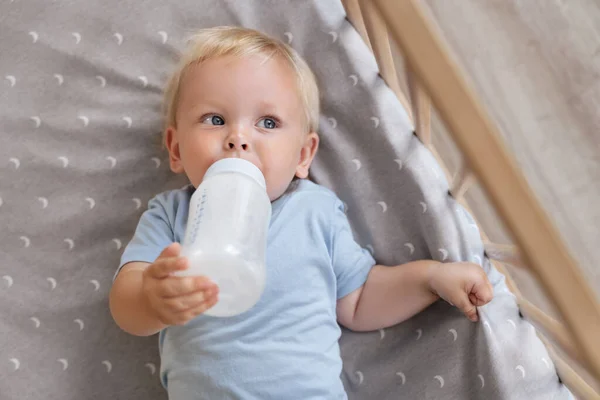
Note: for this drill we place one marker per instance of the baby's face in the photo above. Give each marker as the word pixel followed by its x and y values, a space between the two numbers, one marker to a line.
pixel 242 107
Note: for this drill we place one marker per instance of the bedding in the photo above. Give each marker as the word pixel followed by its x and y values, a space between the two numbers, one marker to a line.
pixel 80 118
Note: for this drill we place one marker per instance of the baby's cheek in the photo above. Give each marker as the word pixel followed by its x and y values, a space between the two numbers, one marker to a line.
pixel 273 187
pixel 196 174
pixel 278 167
pixel 276 185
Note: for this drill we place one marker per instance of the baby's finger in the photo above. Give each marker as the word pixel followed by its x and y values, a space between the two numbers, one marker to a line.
pixel 481 294
pixel 171 250
pixel 475 300
pixel 179 286
pixel 190 314
pixel 464 304
pixel 187 302
pixel 164 267
pixel 471 313
pixel 479 300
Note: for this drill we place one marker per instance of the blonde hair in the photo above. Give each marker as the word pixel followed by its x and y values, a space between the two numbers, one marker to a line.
pixel 235 41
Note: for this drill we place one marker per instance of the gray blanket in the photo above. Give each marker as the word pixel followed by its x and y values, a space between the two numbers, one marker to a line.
pixel 80 95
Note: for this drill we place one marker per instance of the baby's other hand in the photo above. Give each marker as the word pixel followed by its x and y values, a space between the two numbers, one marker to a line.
pixel 462 284
pixel 176 300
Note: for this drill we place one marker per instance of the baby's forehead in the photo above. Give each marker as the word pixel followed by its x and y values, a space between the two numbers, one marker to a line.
pixel 276 64
pixel 258 76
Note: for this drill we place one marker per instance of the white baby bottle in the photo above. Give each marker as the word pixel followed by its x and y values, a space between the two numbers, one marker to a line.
pixel 226 234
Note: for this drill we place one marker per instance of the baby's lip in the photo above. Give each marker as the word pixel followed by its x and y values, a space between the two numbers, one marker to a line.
pixel 235 155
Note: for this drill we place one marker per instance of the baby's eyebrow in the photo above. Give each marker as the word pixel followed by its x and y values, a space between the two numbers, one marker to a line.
pixel 268 107
pixel 205 105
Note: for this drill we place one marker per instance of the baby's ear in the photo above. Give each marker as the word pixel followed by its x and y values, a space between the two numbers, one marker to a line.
pixel 172 144
pixel 307 154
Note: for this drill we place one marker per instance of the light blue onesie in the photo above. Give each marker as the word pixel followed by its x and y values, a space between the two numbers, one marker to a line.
pixel 285 347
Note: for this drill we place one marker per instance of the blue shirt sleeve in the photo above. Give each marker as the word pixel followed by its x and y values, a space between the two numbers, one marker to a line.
pixel 351 263
pixel 153 233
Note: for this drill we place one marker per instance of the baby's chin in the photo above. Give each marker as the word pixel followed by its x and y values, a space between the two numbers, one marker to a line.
pixel 276 191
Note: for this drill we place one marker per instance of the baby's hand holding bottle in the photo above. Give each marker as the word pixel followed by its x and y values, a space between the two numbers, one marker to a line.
pixel 175 299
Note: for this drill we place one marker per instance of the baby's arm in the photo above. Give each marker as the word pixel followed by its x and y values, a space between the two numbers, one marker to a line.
pixel 394 294
pixel 146 298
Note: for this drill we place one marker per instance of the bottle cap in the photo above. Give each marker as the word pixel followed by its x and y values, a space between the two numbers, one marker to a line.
pixel 237 165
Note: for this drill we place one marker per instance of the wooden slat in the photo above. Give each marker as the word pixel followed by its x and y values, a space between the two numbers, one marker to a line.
pixel 569 377
pixel 461 181
pixel 380 43
pixel 505 253
pixel 355 17
pixel 554 329
pixel 421 107
pixel 477 138
pixel 510 283
pixel 577 385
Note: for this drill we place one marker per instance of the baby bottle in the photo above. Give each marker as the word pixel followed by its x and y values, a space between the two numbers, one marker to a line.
pixel 226 235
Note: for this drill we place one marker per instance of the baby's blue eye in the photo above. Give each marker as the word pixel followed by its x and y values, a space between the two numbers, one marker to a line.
pixel 214 120
pixel 267 123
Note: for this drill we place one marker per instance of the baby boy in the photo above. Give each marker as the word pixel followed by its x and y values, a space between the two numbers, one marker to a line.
pixel 240 93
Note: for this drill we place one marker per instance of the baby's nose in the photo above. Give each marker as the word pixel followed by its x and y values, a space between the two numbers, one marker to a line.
pixel 237 142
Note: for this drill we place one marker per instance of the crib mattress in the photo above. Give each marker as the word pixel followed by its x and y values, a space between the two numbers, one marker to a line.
pixel 80 157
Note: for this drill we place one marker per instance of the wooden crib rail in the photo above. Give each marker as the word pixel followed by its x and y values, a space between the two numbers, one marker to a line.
pixel 462 181
pixel 431 72
pixel 578 386
pixel 354 15
pixel 421 104
pixel 553 329
pixel 381 46
pixel 373 30
pixel 479 142
pixel 558 334
pixel 369 24
pixel 505 253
